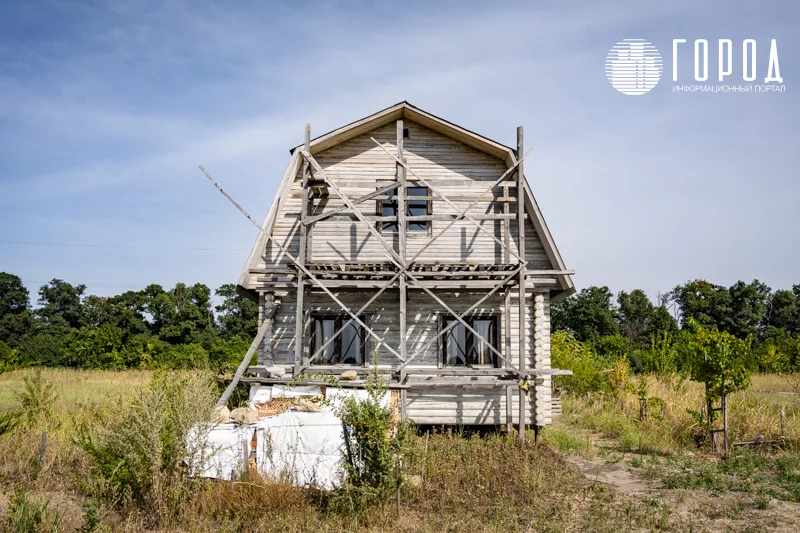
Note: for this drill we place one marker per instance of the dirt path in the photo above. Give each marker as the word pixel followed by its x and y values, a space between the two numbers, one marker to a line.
pixel 623 478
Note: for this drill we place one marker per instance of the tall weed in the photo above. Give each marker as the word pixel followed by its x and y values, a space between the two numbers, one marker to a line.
pixel 141 457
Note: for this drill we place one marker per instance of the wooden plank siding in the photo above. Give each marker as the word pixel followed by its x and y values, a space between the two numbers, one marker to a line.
pixel 359 166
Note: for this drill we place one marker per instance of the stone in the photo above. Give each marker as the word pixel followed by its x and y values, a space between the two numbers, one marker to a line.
pixel 243 415
pixel 221 415
pixel 349 375
pixel 276 371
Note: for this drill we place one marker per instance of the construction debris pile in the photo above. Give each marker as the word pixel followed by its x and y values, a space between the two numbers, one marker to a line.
pixel 284 432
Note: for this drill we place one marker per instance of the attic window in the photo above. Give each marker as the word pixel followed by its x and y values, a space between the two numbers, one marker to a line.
pixel 414 207
pixel 406 134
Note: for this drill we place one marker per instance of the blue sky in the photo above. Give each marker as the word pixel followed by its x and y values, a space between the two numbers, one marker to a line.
pixel 107 108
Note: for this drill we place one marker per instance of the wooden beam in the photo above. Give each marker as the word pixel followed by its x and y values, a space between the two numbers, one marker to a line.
pixel 300 317
pixel 391 254
pixel 451 204
pixel 444 330
pixel 237 376
pixel 523 397
pixel 300 265
pixel 344 209
pixel 401 229
pixel 440 217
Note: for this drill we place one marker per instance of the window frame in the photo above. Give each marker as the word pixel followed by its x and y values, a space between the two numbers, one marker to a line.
pixel 469 339
pixel 338 321
pixel 379 205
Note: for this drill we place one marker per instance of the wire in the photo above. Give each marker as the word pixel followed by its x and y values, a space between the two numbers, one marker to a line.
pixel 120 246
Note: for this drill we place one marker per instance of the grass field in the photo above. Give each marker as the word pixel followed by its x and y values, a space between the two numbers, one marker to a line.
pixel 470 483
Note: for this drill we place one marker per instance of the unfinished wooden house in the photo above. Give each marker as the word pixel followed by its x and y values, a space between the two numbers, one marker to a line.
pixel 408 241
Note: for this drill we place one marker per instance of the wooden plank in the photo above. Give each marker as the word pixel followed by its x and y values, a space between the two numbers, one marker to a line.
pixel 465 313
pixel 300 265
pixel 401 228
pixel 521 248
pixel 451 204
pixel 300 293
pixel 237 376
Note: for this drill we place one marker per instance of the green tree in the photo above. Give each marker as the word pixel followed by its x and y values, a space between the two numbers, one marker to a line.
pixel 60 304
pixel 237 315
pixel 15 318
pixel 717 358
pixel 784 311
pixel 14 297
pixel 636 313
pixel 749 302
pixel 704 302
pixel 588 315
pixel 182 315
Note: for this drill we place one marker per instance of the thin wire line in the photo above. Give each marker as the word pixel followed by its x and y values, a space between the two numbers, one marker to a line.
pixel 124 247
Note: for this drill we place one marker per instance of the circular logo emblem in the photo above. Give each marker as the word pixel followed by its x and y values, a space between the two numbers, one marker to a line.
pixel 633 66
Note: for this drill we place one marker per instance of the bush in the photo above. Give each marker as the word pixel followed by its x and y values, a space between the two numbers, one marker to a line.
pixel 138 457
pixel 571 354
pixel 37 398
pixel 183 357
pixel 373 442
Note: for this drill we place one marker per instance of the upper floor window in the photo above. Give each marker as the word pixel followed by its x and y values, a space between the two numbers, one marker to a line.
pixel 346 349
pixel 420 207
pixel 463 348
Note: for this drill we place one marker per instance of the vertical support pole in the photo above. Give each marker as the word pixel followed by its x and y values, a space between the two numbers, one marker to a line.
pixel 724 421
pixel 523 398
pixel 507 311
pixel 43 450
pixel 260 352
pixel 507 350
pixel 401 233
pixel 300 356
pixel 266 343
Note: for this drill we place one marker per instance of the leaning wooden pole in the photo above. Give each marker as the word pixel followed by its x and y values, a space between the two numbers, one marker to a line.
pixel 523 397
pixel 262 330
pixel 300 316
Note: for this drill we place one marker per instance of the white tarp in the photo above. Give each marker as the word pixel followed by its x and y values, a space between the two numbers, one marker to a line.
pixel 305 447
pixel 223 450
pixel 259 394
pixel 288 391
pixel 335 396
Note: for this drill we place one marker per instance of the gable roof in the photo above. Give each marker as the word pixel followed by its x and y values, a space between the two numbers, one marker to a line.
pixel 404 110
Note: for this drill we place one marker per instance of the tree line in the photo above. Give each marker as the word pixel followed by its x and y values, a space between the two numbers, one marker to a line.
pixel 153 327
pixel 180 328
pixel 656 337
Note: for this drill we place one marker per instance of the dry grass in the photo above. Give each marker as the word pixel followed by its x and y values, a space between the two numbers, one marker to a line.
pixel 756 411
pixel 470 483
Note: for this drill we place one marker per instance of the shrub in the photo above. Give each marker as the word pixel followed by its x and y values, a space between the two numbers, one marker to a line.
pixel 138 457
pixel 183 357
pixel 571 354
pixel 373 442
pixel 37 398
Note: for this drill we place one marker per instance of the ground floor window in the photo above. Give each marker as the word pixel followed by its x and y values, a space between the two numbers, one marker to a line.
pixel 346 349
pixel 461 347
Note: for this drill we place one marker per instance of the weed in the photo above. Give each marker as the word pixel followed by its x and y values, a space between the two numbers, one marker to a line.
pixel 138 457
pixel 26 516
pixel 37 398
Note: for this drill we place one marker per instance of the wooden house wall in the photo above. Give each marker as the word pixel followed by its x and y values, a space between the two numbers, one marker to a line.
pixel 470 406
pixel 359 166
